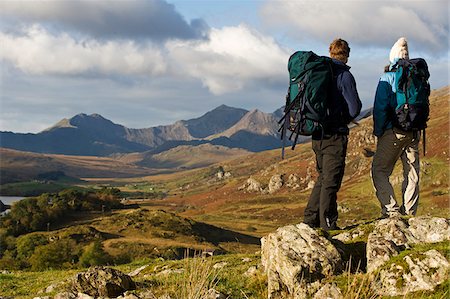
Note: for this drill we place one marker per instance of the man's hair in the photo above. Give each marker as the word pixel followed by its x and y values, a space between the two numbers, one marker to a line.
pixel 339 49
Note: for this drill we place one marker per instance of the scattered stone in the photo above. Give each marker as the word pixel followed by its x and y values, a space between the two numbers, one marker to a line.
pixel 252 271
pixel 252 185
pixel 310 185
pixel 343 209
pixel 137 271
pixel 53 287
pixel 293 181
pixel 128 295
pixel 328 291
pixel 295 255
pixel 213 294
pixel 84 296
pixel 147 294
pixel 349 235
pixel 102 282
pixel 220 265
pixel 169 272
pixel 275 183
pixel 246 260
pixel 65 295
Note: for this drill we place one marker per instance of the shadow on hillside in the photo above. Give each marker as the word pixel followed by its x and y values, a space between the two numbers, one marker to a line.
pixel 216 235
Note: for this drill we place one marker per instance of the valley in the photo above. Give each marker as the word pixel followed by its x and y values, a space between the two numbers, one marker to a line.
pixel 201 198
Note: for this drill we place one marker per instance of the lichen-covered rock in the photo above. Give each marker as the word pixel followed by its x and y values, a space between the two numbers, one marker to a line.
pixel 394 229
pixel 295 255
pixel 330 291
pixel 386 240
pixel 420 272
pixel 65 295
pixel 102 282
pixel 429 229
pixel 252 185
pixel 293 181
pixel 275 183
pixel 392 235
pixel 379 250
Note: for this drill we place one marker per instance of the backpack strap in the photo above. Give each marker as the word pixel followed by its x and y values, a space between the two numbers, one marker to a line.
pixel 424 142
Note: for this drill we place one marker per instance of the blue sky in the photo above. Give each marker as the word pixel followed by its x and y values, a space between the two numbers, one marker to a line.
pixel 144 63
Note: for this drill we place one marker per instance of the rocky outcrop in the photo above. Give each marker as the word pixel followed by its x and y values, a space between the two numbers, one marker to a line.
pixel 294 256
pixel 416 272
pixel 393 235
pixel 102 282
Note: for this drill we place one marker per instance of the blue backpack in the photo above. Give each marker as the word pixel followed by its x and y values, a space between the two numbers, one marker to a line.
pixel 413 90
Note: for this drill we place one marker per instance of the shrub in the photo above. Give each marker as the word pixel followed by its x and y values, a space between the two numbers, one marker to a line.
pixel 27 244
pixel 94 255
pixel 56 255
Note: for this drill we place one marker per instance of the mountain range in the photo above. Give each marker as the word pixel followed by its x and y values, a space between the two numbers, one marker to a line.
pixel 94 135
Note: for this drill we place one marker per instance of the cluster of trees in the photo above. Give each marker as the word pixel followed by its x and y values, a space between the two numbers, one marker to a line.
pixel 36 252
pixel 22 247
pixel 38 213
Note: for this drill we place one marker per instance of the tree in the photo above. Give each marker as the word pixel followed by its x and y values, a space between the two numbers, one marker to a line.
pixel 55 255
pixel 94 255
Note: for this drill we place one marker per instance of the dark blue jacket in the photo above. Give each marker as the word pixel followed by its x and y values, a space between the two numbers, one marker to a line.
pixel 345 104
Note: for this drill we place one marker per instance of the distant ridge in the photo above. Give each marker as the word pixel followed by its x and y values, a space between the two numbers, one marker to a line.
pixel 94 135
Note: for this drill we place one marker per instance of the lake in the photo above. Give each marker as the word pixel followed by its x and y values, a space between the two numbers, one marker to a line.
pixel 8 200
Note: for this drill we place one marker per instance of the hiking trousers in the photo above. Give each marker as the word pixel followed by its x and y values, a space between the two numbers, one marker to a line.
pixel 321 210
pixel 391 146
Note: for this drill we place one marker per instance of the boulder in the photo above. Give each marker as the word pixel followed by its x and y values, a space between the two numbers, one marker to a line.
pixel 252 185
pixel 275 183
pixel 293 181
pixel 393 235
pixel 429 229
pixel 102 282
pixel 419 272
pixel 386 240
pixel 294 256
pixel 379 251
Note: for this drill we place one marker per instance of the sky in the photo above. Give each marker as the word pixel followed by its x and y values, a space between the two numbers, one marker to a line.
pixel 144 63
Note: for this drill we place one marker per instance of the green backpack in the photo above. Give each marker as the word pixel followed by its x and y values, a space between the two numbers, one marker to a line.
pixel 310 85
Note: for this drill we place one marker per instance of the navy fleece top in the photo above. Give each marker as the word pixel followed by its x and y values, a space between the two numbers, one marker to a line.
pixel 345 105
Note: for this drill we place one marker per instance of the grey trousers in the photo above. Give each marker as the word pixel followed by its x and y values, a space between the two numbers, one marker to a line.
pixel 391 146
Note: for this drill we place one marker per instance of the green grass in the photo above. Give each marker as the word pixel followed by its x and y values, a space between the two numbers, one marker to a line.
pixel 24 284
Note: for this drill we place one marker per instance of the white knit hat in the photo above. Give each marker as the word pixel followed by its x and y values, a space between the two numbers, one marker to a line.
pixel 399 50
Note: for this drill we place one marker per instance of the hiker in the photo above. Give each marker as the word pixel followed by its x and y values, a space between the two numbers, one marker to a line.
pixel 394 143
pixel 330 146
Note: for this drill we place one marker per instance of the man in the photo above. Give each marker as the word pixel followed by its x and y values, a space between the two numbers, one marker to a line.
pixel 393 143
pixel 331 147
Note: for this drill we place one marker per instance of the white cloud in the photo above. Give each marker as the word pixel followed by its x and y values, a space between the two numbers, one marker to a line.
pixel 39 52
pixel 366 22
pixel 230 58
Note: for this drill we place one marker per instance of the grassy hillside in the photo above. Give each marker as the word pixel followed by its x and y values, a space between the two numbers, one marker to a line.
pixel 199 194
pixel 202 210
